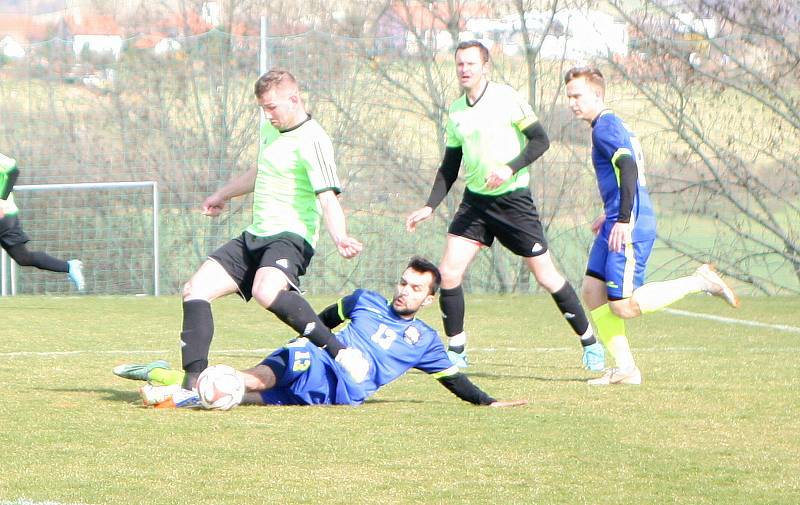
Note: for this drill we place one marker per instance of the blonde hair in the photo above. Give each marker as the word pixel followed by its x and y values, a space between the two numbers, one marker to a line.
pixel 273 79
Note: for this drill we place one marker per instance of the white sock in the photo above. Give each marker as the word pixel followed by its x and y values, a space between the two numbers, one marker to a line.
pixel 622 353
pixel 458 340
pixel 655 296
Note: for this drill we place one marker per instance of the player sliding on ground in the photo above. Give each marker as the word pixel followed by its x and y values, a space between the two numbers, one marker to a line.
pixel 387 333
pixel 14 240
pixel 614 288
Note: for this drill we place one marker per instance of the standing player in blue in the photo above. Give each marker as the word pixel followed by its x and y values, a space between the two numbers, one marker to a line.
pixel 387 333
pixel 614 288
pixel 13 239
pixel 497 134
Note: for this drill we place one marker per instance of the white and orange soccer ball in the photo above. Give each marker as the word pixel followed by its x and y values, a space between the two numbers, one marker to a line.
pixel 220 387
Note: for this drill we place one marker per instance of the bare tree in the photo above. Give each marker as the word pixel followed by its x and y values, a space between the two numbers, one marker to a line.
pixel 722 77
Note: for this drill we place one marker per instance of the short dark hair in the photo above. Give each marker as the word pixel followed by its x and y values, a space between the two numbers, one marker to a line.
pixel 474 43
pixel 272 79
pixel 422 265
pixel 592 75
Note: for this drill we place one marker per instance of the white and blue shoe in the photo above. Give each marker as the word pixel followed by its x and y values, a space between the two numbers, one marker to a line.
pixel 459 359
pixel 594 357
pixel 75 274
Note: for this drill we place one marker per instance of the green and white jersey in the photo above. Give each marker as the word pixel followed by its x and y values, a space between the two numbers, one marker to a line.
pixel 6 166
pixel 294 166
pixel 489 133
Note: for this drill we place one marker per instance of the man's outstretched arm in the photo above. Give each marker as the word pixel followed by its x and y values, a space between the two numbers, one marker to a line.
pixel 460 385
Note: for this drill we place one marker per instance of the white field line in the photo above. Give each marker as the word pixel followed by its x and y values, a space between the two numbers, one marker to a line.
pixel 29 502
pixel 264 352
pixel 730 320
pixel 477 350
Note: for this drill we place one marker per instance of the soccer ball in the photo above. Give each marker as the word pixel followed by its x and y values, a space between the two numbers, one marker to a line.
pixel 220 387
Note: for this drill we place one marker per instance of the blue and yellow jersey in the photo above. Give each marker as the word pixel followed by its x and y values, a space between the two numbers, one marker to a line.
pixel 611 138
pixel 391 344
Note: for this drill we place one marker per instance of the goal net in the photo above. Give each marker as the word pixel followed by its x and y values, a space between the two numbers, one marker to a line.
pixel 112 227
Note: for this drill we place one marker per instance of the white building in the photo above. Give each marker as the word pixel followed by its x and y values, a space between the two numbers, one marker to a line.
pixel 10 48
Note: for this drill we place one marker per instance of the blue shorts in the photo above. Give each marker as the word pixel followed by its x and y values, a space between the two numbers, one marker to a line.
pixel 623 271
pixel 312 377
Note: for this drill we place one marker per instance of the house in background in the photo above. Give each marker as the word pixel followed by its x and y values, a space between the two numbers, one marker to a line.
pixel 17 31
pixel 96 34
pixel 403 25
pixel 10 48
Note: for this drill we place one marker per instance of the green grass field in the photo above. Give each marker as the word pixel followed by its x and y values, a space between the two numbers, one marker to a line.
pixel 715 422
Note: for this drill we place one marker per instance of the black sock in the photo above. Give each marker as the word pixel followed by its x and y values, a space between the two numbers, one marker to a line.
pixel 294 310
pixel 198 330
pixel 451 303
pixel 569 305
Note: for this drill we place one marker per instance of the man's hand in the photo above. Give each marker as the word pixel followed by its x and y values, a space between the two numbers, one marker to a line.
pixel 598 223
pixel 417 217
pixel 499 175
pixel 213 205
pixel 619 236
pixel 349 247
pixel 512 403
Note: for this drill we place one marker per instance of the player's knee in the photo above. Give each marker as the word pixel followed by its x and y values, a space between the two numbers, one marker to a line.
pixel 21 255
pixel 191 292
pixel 626 308
pixel 587 293
pixel 187 291
pixel 549 278
pixel 451 277
pixel 265 295
pixel 258 378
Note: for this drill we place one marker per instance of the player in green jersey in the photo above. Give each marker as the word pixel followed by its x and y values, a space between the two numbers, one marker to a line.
pixel 14 240
pixel 295 185
pixel 496 134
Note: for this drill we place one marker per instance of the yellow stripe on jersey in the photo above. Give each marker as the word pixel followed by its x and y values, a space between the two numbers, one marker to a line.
pixel 526 122
pixel 620 152
pixel 340 309
pixel 447 372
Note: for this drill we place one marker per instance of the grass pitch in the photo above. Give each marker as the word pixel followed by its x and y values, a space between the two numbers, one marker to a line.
pixel 716 420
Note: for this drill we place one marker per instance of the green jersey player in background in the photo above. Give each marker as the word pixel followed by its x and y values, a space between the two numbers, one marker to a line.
pixel 13 239
pixel 295 185
pixel 496 134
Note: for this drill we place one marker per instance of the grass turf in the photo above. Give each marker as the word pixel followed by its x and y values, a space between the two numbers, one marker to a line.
pixel 714 422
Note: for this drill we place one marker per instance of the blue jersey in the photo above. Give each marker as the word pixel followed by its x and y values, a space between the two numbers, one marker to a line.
pixel 611 138
pixel 392 345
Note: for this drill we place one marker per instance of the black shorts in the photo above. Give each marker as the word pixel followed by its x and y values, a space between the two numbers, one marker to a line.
pixel 11 233
pixel 511 218
pixel 244 255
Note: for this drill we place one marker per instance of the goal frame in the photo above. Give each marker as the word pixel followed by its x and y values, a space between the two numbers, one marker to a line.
pixel 10 273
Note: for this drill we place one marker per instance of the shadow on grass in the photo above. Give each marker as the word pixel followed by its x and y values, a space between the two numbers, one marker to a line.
pixel 488 375
pixel 376 400
pixel 114 395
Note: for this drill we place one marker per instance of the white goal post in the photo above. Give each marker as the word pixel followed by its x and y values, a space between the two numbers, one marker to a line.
pixel 93 212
